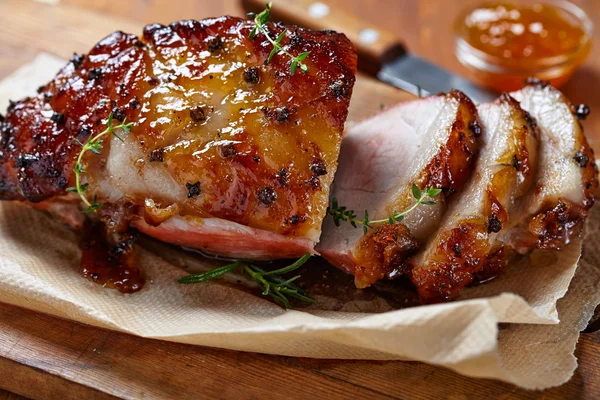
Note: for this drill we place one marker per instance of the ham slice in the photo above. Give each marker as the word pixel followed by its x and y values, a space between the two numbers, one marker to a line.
pixel 429 142
pixel 554 213
pixel 504 172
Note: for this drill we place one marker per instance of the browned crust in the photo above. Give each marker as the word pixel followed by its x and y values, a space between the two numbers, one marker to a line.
pixel 451 167
pixel 496 262
pixel 383 250
pixel 557 226
pixel 458 256
pixel 562 221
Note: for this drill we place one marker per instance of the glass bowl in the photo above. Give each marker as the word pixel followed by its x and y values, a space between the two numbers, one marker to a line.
pixel 507 73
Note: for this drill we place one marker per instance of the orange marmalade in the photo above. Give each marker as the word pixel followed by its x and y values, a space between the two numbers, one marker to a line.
pixel 505 43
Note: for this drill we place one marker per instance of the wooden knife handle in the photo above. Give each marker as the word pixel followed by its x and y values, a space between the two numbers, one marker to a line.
pixel 375 46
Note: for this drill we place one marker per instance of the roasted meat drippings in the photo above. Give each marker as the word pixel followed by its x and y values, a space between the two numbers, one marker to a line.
pixel 111 261
pixel 430 143
pixel 503 173
pixel 218 134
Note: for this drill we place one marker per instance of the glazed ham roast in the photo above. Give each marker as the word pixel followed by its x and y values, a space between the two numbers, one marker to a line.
pixel 222 144
pixel 227 153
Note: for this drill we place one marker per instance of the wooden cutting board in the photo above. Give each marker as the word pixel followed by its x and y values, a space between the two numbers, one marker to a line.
pixel 46 357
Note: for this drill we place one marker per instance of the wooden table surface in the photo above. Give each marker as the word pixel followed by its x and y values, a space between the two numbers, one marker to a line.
pixel 47 357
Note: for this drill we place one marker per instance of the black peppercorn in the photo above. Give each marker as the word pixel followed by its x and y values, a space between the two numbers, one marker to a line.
pixel 267 196
pixel 318 168
pixel 57 117
pixel 251 75
pixel 118 114
pixel 339 88
pixel 134 103
pixel 475 128
pixel 158 155
pixel 215 44
pixel 77 60
pixel 94 74
pixel 198 114
pixel 193 189
pixel 582 111
pixel 582 159
pixel 282 177
pixel 494 224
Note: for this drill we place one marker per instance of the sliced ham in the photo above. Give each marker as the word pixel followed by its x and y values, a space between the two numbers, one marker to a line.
pixel 429 142
pixel 553 214
pixel 503 173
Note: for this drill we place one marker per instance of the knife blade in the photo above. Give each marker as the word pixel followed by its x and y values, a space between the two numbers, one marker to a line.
pixel 380 53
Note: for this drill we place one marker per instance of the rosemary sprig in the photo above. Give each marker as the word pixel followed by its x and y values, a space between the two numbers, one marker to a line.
pixel 341 213
pixel 94 144
pixel 260 25
pixel 271 282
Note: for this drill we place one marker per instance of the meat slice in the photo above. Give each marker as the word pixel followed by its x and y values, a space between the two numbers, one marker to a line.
pixel 240 153
pixel 554 213
pixel 429 142
pixel 504 172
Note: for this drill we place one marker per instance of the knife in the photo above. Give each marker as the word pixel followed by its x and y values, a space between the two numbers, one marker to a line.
pixel 380 53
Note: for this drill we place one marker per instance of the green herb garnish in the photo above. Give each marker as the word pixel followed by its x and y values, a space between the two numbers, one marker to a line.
pixel 94 144
pixel 260 25
pixel 340 213
pixel 271 282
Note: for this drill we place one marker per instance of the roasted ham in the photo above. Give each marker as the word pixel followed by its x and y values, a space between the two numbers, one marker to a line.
pixel 554 212
pixel 429 142
pixel 504 172
pixel 227 153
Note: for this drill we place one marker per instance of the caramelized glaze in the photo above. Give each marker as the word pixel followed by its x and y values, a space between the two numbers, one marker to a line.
pixel 242 140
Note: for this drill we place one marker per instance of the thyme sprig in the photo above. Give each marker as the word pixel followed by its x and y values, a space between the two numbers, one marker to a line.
pixel 271 282
pixel 94 145
pixel 260 25
pixel 341 213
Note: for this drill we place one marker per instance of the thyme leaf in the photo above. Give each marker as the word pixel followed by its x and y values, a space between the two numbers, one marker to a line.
pixel 260 26
pixel 94 145
pixel 341 213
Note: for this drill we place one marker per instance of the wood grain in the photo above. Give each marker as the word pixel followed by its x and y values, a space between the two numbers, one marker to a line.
pixel 49 358
pixel 41 357
pixel 4 395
